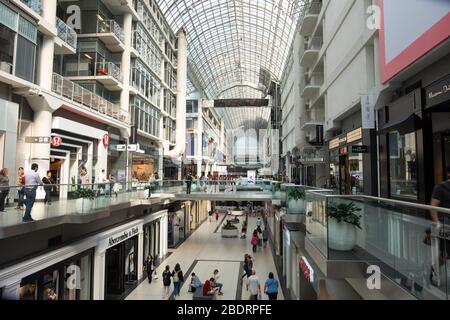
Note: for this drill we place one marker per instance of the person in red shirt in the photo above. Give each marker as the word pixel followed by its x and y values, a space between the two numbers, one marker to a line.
pixel 208 290
pixel 21 189
pixel 217 214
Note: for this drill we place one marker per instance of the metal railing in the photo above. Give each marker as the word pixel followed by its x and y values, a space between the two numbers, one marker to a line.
pixel 88 99
pixel 108 69
pixel 35 5
pixel 66 33
pixel 312 8
pixel 110 26
pixel 306 118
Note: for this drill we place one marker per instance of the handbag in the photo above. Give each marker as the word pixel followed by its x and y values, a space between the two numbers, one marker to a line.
pixel 155 276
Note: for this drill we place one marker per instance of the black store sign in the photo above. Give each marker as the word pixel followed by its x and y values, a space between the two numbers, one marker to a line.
pixel 360 149
pixel 438 93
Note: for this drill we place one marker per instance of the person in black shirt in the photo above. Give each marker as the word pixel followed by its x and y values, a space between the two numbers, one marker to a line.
pixel 188 183
pixel 48 182
pixel 439 198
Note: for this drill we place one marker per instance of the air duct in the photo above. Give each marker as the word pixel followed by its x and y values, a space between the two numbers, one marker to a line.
pixel 180 141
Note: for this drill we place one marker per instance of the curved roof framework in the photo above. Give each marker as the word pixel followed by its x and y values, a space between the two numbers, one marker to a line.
pixel 231 41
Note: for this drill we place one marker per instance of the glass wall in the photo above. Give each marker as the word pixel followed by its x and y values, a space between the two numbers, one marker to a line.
pixel 146 116
pixel 147 47
pixel 403 165
pixel 68 280
pixel 145 82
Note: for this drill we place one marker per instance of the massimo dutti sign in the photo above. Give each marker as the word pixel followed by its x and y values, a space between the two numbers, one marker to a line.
pixel 438 93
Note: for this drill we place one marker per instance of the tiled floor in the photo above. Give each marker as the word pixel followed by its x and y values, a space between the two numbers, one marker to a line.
pixel 205 250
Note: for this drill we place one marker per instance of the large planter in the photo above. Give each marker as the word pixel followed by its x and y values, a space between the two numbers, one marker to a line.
pixel 84 205
pixel 230 233
pixel 341 236
pixel 296 206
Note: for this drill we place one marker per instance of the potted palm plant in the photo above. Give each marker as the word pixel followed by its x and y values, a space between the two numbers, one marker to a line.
pixel 342 223
pixel 296 200
pixel 85 198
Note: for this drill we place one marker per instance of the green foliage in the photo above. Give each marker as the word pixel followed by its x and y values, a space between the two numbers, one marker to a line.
pixel 277 186
pixel 85 193
pixel 296 193
pixel 229 226
pixel 345 212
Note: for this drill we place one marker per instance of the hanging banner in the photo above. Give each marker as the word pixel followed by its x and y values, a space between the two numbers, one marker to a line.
pixel 367 112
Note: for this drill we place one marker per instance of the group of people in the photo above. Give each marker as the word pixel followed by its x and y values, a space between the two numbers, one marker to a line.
pixel 176 276
pixel 102 181
pixel 27 185
pixel 259 237
pixel 253 285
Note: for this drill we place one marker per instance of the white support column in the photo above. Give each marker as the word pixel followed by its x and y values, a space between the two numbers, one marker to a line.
pixel 126 63
pixel 40 153
pixel 11 291
pixel 199 149
pixel 45 64
pixel 99 276
pixel 140 254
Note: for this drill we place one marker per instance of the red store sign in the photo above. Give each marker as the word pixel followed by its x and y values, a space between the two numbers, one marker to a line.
pixel 307 270
pixel 56 141
pixel 106 140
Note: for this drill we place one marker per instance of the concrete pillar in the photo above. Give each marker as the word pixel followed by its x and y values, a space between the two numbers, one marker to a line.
pixel 140 254
pixel 40 153
pixel 99 276
pixel 47 49
pixel 199 149
pixel 126 62
pixel 11 291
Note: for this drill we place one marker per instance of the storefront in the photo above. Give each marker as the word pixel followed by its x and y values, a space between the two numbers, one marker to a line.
pixel 68 280
pixel 414 133
pixel 197 213
pixel 146 162
pixel 346 162
pixel 177 223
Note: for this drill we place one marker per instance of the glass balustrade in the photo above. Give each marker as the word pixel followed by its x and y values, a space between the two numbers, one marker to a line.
pixel 409 242
pixel 66 33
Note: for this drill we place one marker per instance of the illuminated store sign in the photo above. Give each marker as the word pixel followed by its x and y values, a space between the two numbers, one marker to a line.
pixel 307 270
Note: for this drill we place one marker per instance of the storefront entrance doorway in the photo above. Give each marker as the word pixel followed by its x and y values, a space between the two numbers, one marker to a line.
pixel 344 179
pixel 121 268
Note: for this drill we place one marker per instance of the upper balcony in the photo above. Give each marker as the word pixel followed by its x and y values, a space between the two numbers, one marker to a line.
pixel 311 52
pixel 312 85
pixel 307 121
pixel 310 17
pixel 88 101
pixel 109 74
pixel 66 42
pixel 110 33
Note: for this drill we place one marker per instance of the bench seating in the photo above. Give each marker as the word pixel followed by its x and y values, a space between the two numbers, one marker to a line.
pixel 198 295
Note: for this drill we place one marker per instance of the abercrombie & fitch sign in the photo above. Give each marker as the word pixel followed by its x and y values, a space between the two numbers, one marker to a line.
pixel 112 241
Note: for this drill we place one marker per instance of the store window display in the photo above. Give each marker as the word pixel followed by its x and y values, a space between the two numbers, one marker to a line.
pixel 403 165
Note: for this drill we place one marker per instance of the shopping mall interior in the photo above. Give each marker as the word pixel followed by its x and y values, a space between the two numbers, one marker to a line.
pixel 224 150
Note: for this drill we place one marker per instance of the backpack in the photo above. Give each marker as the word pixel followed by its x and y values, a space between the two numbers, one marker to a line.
pixel 254 241
pixel 166 278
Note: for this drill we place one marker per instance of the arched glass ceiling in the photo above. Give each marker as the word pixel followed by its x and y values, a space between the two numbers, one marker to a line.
pixel 231 41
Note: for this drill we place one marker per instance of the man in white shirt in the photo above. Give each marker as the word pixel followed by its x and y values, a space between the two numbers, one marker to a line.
pixel 254 286
pixel 101 181
pixel 218 285
pixel 32 181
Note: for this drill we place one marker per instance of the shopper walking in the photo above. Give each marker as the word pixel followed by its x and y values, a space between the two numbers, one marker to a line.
pixel 254 286
pixel 4 188
pixel 32 181
pixel 440 248
pixel 21 188
pixel 265 236
pixel 217 214
pixel 178 279
pixel 254 241
pixel 271 287
pixel 258 222
pixel 149 267
pixel 48 187
pixel 260 237
pixel 188 183
pixel 166 275
pixel 102 182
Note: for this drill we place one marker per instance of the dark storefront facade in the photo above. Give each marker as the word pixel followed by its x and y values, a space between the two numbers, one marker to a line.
pixel 68 280
pixel 414 135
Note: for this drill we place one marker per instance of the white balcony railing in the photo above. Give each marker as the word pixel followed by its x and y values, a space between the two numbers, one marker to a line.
pixel 109 69
pixel 110 26
pixel 88 99
pixel 66 33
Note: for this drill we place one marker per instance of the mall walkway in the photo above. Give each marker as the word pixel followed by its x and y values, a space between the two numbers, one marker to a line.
pixel 204 251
